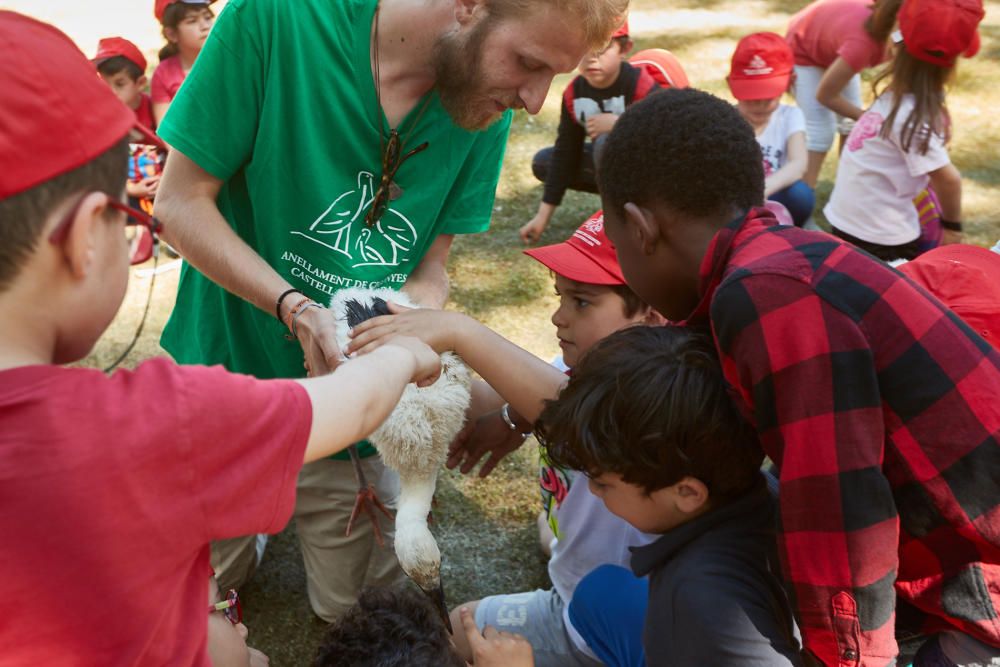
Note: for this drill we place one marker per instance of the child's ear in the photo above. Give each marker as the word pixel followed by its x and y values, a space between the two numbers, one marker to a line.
pixel 627 47
pixel 653 318
pixel 465 10
pixel 643 226
pixel 142 81
pixel 170 34
pixel 691 495
pixel 80 246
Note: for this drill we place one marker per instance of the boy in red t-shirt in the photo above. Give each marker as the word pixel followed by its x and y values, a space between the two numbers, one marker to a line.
pixel 113 487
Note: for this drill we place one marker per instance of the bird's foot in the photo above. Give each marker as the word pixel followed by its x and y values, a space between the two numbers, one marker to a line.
pixel 367 501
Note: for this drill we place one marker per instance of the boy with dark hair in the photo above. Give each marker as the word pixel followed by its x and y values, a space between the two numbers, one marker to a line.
pixel 647 418
pixel 593 303
pixel 114 486
pixel 122 66
pixel 398 627
pixel 876 403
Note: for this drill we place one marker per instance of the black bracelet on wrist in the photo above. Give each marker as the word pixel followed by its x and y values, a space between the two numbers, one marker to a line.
pixel 951 225
pixel 281 299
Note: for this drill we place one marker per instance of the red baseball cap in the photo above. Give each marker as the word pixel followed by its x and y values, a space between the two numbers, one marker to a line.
pixel 45 132
pixel 622 31
pixel 161 6
pixel 110 47
pixel 588 256
pixel 966 278
pixel 938 31
pixel 761 68
pixel 663 66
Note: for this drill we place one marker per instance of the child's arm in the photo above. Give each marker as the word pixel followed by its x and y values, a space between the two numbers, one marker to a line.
pixel 493 648
pixel 524 380
pixel 351 402
pixel 947 184
pixel 835 78
pixel 794 169
pixel 532 230
pixel 600 124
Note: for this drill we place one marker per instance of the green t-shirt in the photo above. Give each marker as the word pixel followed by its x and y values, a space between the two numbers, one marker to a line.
pixel 281 106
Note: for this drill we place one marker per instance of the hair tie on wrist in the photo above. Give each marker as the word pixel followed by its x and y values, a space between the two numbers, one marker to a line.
pixel 951 226
pixel 281 299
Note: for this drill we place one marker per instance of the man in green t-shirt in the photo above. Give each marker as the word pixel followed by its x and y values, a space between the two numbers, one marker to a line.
pixel 319 145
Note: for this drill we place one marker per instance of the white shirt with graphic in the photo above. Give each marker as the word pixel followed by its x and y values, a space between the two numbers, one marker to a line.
pixel 785 122
pixel 877 180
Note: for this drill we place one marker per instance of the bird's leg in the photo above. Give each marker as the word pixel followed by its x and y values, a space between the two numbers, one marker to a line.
pixel 367 500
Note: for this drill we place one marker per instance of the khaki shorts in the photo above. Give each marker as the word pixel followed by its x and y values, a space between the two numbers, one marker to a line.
pixel 337 567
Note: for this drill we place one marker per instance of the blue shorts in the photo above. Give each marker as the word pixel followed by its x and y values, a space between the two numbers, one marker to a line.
pixel 608 609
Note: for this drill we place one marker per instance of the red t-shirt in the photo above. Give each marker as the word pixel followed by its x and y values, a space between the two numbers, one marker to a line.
pixel 826 29
pixel 144 112
pixel 167 79
pixel 112 488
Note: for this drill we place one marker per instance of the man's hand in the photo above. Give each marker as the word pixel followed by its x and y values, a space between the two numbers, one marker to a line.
pixel 600 124
pixel 493 648
pixel 317 333
pixel 437 328
pixel 487 435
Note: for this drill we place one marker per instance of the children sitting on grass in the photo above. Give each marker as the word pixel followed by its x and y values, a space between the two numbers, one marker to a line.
pixel 593 302
pixel 760 74
pixel 876 404
pixel 899 145
pixel 398 627
pixel 606 85
pixel 646 417
pixel 113 487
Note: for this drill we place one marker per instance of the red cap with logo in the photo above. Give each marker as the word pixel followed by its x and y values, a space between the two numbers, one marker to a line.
pixel 586 257
pixel 761 68
pixel 161 6
pixel 966 278
pixel 57 113
pixel 110 47
pixel 939 31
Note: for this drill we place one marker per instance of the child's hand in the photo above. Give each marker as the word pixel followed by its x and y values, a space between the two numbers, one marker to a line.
pixel 493 648
pixel 428 362
pixel 437 328
pixel 144 189
pixel 600 124
pixel 532 231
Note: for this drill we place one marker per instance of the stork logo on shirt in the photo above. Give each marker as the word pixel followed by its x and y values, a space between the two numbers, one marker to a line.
pixel 758 67
pixel 584 107
pixel 341 228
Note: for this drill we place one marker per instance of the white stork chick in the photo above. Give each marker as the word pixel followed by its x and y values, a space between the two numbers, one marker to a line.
pixel 413 440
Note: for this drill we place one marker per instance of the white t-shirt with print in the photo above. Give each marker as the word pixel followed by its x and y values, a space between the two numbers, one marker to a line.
pixel 786 120
pixel 877 180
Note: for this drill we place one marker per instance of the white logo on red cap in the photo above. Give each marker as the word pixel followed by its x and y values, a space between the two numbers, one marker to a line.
pixel 594 226
pixel 758 67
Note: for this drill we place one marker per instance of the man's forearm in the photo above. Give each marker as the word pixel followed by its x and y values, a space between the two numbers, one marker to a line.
pixel 194 226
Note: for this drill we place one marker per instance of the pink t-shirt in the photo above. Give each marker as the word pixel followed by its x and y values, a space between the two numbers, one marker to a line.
pixel 111 489
pixel 826 29
pixel 167 80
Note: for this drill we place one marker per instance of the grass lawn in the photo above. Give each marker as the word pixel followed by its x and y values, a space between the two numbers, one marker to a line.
pixel 486 528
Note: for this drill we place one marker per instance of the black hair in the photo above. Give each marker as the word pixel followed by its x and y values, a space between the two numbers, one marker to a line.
pixel 388 627
pixel 650 404
pixel 686 149
pixel 633 304
pixel 116 64
pixel 23 216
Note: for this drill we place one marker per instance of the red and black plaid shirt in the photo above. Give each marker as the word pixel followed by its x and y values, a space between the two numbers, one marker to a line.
pixel 881 409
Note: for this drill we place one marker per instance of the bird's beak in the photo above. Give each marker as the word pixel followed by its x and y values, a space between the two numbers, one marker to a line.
pixel 437 597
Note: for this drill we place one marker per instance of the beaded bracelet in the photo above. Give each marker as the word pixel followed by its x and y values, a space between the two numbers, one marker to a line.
pixel 291 313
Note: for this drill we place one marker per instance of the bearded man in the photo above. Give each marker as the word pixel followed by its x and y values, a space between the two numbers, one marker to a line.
pixel 322 144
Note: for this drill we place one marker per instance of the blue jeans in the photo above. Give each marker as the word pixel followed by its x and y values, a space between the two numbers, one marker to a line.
pixel 608 609
pixel 799 199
